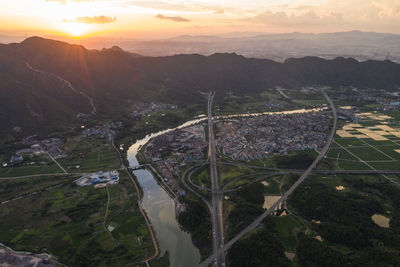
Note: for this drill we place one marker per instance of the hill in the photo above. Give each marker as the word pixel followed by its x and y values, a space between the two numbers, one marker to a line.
pixel 37 97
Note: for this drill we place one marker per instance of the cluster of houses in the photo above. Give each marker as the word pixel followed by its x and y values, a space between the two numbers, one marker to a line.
pixel 103 131
pixel 173 150
pixel 390 106
pixel 14 160
pixel 274 103
pixel 98 179
pixel 348 113
pixel 143 109
pixel 257 137
pixel 52 146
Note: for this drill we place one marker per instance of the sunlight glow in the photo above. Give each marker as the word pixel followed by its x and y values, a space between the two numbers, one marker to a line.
pixel 76 29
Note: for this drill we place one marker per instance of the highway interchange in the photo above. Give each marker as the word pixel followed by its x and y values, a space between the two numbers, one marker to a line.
pixel 222 250
pixel 218 256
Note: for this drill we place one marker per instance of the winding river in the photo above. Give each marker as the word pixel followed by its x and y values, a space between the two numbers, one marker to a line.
pixel 160 207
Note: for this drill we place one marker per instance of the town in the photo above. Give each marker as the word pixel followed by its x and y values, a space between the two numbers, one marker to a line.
pixel 257 137
pixel 107 131
pixel 173 150
pixel 143 109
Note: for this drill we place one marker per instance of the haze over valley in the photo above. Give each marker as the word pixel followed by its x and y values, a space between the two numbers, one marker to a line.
pixel 199 133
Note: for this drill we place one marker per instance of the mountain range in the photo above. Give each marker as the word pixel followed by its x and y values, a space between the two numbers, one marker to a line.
pixel 45 82
pixel 356 44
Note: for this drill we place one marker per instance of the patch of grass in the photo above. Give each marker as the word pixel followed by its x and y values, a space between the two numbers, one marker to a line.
pixel 202 176
pixel 24 170
pixel 228 172
pixel 287 228
pixel 273 187
pixel 92 154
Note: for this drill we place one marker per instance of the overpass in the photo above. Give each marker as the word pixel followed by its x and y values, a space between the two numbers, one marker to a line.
pixel 256 222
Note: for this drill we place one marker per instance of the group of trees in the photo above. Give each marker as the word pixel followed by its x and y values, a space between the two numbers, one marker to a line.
pixel 345 220
pixel 248 204
pixel 196 220
pixel 261 248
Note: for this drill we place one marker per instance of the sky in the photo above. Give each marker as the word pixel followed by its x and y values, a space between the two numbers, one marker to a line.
pixel 167 18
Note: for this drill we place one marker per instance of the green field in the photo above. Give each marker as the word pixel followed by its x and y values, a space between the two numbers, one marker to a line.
pixel 68 222
pixel 201 176
pixel 29 170
pixel 229 172
pixel 42 165
pixel 310 102
pixel 273 187
pixel 12 188
pixel 287 228
pixel 92 154
pixel 376 154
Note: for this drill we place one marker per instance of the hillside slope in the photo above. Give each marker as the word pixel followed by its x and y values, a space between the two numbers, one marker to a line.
pixel 114 78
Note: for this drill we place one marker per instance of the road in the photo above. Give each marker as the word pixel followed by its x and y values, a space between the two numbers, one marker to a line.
pixel 216 203
pixel 255 223
pixel 106 214
pixel 56 162
pixel 65 82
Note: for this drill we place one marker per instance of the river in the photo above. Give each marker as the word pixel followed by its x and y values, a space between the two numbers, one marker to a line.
pixel 160 207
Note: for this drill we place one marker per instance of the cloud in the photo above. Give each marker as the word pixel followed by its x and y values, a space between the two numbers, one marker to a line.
pixel 68 1
pixel 187 6
pixel 176 19
pixel 309 18
pixel 92 20
pixel 387 8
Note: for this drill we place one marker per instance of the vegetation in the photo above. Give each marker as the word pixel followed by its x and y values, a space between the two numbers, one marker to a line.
pixel 92 154
pixel 116 79
pixel 229 172
pixel 196 219
pixel 345 222
pixel 248 204
pixel 259 248
pixel 68 222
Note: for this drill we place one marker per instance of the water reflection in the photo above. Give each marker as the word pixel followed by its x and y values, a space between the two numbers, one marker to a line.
pixel 160 207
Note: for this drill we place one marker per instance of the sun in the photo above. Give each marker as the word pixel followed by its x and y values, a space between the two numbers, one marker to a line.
pixel 76 29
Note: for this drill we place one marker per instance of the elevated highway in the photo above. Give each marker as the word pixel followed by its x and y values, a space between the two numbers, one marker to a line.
pixel 256 222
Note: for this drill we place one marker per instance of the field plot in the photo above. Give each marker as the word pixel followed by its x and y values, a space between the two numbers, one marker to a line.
pixel 30 170
pixel 10 189
pixel 41 164
pixel 372 144
pixel 90 156
pixel 68 221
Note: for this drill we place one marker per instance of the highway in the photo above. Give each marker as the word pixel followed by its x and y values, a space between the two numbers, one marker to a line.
pixel 216 203
pixel 222 251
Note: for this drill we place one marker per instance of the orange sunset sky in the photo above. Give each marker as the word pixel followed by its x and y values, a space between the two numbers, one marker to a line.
pixel 157 19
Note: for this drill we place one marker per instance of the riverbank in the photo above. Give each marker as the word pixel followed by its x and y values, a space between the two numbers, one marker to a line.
pixel 9 257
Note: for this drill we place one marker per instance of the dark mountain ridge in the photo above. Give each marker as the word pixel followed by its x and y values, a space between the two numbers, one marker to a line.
pixel 114 78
